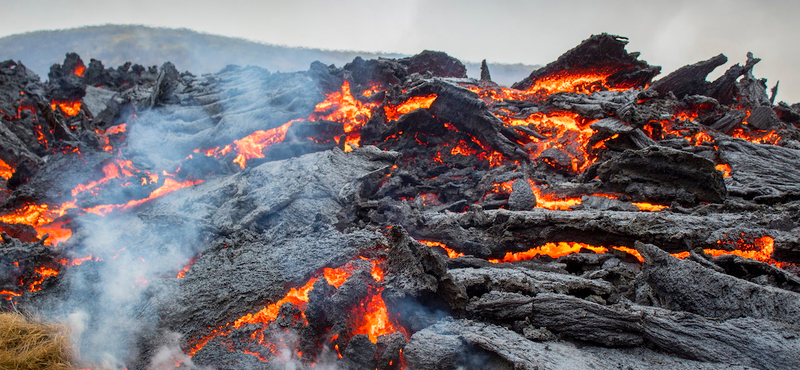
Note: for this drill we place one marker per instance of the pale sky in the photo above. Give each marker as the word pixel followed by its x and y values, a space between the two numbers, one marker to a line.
pixel 669 33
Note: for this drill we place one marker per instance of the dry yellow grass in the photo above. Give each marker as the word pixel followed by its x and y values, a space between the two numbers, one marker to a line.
pixel 31 345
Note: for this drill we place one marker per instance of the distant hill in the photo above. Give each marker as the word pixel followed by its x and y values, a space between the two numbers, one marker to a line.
pixel 189 51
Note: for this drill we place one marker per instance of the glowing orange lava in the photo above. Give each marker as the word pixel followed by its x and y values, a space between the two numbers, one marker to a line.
pixel 450 253
pixel 724 168
pixel 370 316
pixel 70 108
pixel 649 207
pixel 759 249
pixel 80 69
pixel 44 273
pixel 585 82
pixel 413 103
pixel 550 201
pixel 184 270
pixel 169 186
pixel 6 171
pixel 373 318
pixel 9 294
pixel 252 146
pixel 553 250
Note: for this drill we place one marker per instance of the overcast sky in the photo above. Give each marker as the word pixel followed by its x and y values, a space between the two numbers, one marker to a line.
pixel 669 33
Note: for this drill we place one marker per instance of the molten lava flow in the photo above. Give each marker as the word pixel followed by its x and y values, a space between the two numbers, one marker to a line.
pixel 338 276
pixel 9 294
pixel 582 82
pixel 649 207
pixel 553 250
pixel 759 249
pixel 393 112
pixel 41 217
pixel 78 261
pixel 252 146
pixel 6 171
pixel 370 315
pixel 565 131
pixel 450 253
pixel 373 89
pixel 757 136
pixel 268 314
pixel 342 107
pixel 107 133
pixel 112 170
pixel 373 318
pixel 70 108
pixel 169 186
pixel 184 270
pixel 549 201
pixel 44 273
pixel 631 251
pixel 724 168
pixel 79 70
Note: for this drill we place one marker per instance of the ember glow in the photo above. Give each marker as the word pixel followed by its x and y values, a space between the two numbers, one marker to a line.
pixel 649 207
pixel 252 146
pixel 550 201
pixel 413 103
pixel 69 108
pixel 6 171
pixel 759 249
pixel 574 81
pixel 724 168
pixel 554 250
pixel 370 316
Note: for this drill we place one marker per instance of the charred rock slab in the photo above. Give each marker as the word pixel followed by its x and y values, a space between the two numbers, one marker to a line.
pixel 597 53
pixel 689 80
pixel 754 175
pixel 687 286
pixel 460 343
pixel 660 174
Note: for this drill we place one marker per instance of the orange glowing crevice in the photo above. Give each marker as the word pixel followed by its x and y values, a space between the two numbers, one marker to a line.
pixel 631 251
pixel 415 102
pixel 757 136
pixel 553 250
pixel 184 270
pixel 253 145
pixel 78 261
pixel 41 217
pixel 450 253
pixel 104 135
pixel 759 249
pixel 9 294
pixel 338 276
pixel 552 202
pixel 373 318
pixel 582 82
pixel 563 130
pixel 370 316
pixel 372 90
pixel 724 168
pixel 649 207
pixel 6 171
pixel 112 170
pixel 70 108
pixel 295 296
pixel 44 273
pixel 79 71
pixel 169 186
